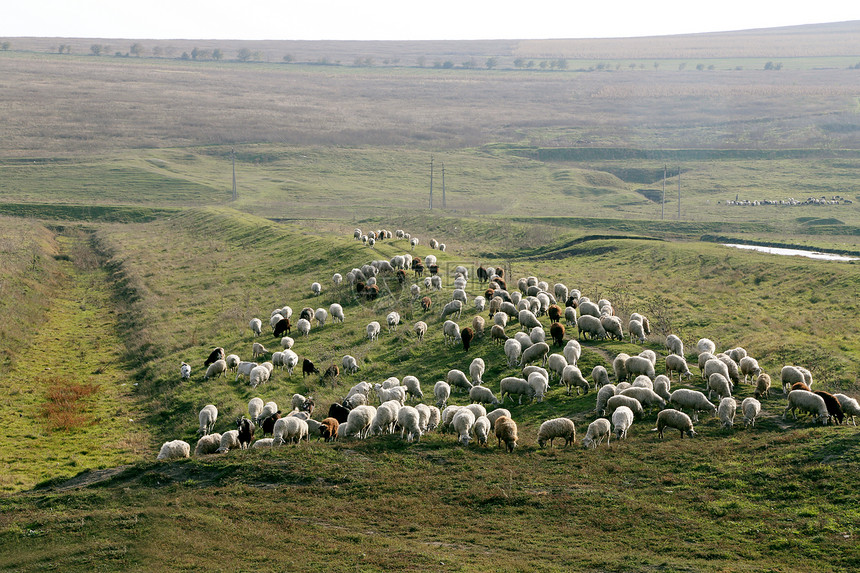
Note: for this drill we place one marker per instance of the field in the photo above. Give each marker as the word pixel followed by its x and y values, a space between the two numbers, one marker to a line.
pixel 124 254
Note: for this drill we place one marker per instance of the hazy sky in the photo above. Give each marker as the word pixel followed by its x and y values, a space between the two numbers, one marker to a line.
pixel 402 19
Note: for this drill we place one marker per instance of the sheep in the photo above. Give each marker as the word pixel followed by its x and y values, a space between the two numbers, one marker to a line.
pixel 391 382
pixel 303 326
pixel 373 330
pixel 409 421
pixel 645 396
pixel 478 326
pixel 617 401
pixel 260 374
pixel 216 369
pixel 263 443
pixel 477 409
pixel 174 450
pixel 481 428
pixel 834 410
pixel 556 428
pixel 256 326
pixel 289 430
pixel 258 350
pixel 675 345
pixel 433 419
pixel 588 308
pixel 447 416
pixel 636 365
pixel 435 280
pixel 358 422
pixel 424 414
pixel 467 335
pixel 184 371
pixel 232 361
pixel 462 422
pixel 850 407
pixel 385 394
pixel 267 426
pixel 807 401
pixel 287 342
pixel 385 418
pixel 715 365
pixel 604 394
pixel 650 355
pixel 512 385
pixel 570 315
pixel 393 319
pixel 556 333
pixel 216 354
pixel 452 307
pixel 207 444
pixel 505 430
pixel 291 360
pixel 349 364
pixel 706 345
pixel 702 360
pixel 497 335
pixel 726 411
pixel 662 385
pixel 527 319
pixel 597 430
pixel 635 328
pixel 441 391
pixel 572 351
pixel 513 350
pixel 676 363
pixel 692 400
pixel 457 379
pixel 246 432
pixel 599 376
pixel 732 366
pixel 413 387
pixel 420 329
pixel 496 413
pixel 500 319
pixel 555 364
pixel 459 293
pixel 622 419
pixel 642 381
pixel 749 367
pixel 572 376
pixel 538 351
pixel 750 408
pixel 612 326
pixel 791 374
pixel 255 408
pixel 207 417
pixel 482 395
pixel 540 384
pixel 737 354
pixel 302 404
pixel 619 366
pixel 476 371
pixel 675 419
pixel 589 326
pixel 229 440
pixel 527 371
pixel 719 384
pixel 762 385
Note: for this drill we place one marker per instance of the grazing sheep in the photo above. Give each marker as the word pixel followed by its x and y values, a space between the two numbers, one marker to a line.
pixel 349 364
pixel 511 386
pixel 207 444
pixel 555 364
pixel 505 430
pixel 263 443
pixel 572 351
pixel 540 384
pixel 762 385
pixel 615 402
pixel 304 326
pixel 393 319
pixel 495 414
pixel 441 391
pixel 386 418
pixel 174 450
pixel 642 381
pixel 477 409
pixel 290 430
pixel 588 308
pixel 538 351
pixel 413 387
pixel 570 315
pixel 229 440
pixel 635 329
pixel 478 326
pixel 806 401
pixel 676 363
pixel 636 365
pixel 597 430
pixel 476 371
pixel 232 361
pixel 260 374
pixel 462 423
pixel 457 379
pixel 750 408
pixel 302 404
pixel 482 395
pixel 184 371
pixel 385 394
pixel 702 360
pixel 513 350
pixel 675 345
pixel 719 384
pixel 834 410
pixel 424 414
pixel 791 374
pixel 732 366
pixel 692 400
pixel 448 416
pixel 256 326
pixel 572 376
pixel 255 408
pixel 675 419
pixel 207 417
pixel 481 428
pixel 316 289
pixel 358 422
pixel 291 360
pixel 409 421
pixel 373 330
pixel 749 367
pixel 420 329
pixel 737 354
pixel 452 307
pixel 706 345
pixel 497 334
pixel 528 320
pixel 500 319
pixel 216 369
pixel 604 394
pixel 216 354
pixel 599 376
pixel 622 419
pixel 287 342
pixel 726 411
pixel 466 335
pixel 258 350
pixel 619 366
pixel 612 326
pixel 589 326
pixel 556 332
pixel 246 432
pixel 715 365
pixel 556 428
pixel 850 407
pixel 662 386
pixel 644 396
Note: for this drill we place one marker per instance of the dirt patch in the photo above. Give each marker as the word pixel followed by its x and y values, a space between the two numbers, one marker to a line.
pixel 92 477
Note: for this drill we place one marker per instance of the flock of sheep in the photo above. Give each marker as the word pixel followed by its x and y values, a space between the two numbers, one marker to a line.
pixel 635 391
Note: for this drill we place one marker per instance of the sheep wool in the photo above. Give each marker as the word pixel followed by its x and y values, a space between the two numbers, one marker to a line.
pixel 622 419
pixel 556 428
pixel 207 444
pixel 726 412
pixel 506 431
pixel 174 450
pixel 750 408
pixel 675 419
pixel 597 430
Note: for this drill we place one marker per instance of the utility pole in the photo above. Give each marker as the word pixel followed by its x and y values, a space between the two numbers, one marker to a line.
pixel 431 182
pixel 679 193
pixel 443 184
pixel 233 158
pixel 663 203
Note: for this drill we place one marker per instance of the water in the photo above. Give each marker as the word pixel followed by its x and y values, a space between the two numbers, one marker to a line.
pixel 794 252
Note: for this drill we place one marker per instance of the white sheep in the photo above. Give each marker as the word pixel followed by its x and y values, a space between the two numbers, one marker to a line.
pixel 604 394
pixel 702 360
pixel 373 330
pixel 451 332
pixel 675 345
pixel 268 410
pixel 597 430
pixel 413 387
pixel 477 409
pixel 480 303
pixel 806 401
pixel 635 329
pixel 207 417
pixel 303 326
pixel 662 386
pixel 424 414
pixel 850 407
pixel 259 374
pixel 732 366
pixel 255 408
pixel 232 361
pixel 500 318
pixel 726 411
pixel 258 350
pixel 572 376
pixel 719 384
pixel 350 364
pixel 481 428
pixel 523 339
pixel 409 421
pixel 263 443
pixel 590 325
pixel 675 419
pixel 715 365
pixel 622 419
pixel 537 351
pixel 790 375
pixel 528 320
pixel 435 282
pixel 452 307
pixel 457 379
pixel 441 391
pixel 229 440
pixel 737 353
pixel 420 329
pixel 636 365
pixel 692 400
pixel 393 319
pixel 749 367
pixel 540 384
pixel 174 450
pixel 321 315
pixel 615 402
pixel 476 371
pixel 287 342
pixel 290 359
pixel 676 363
pixel 513 350
pixel 448 416
pixel 433 420
pixel 462 422
pixel 644 396
pixel 706 345
pixel 497 413
pixel 244 369
pixel 316 289
pixel 612 326
pixel 555 364
pixel 556 428
pixel 216 369
pixel 572 351
pixel 642 381
pixel 511 385
pixel 478 326
pixel 184 371
pixel 207 444
pixel 482 395
pixel 385 418
pixel 256 326
pixel 570 315
pixel 385 394
pixel 358 422
pixel 750 408
pixel 289 430
pixel 650 355
pixel 537 334
pixel 619 366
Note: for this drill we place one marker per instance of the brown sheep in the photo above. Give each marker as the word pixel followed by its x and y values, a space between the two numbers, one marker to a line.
pixel 556 331
pixel 800 386
pixel 554 312
pixel 328 429
pixel 834 409
pixel 426 302
pixel 497 333
pixel 506 430
pixel 308 368
pixel 762 386
pixel 332 372
pixel 466 335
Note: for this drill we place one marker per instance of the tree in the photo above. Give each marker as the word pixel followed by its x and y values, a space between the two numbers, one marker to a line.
pixel 447 65
pixel 5 46
pixel 217 54
pixel 700 67
pixel 244 54
pixel 492 62
pixel 96 50
pixel 136 49
pixel 157 51
pixel 194 53
pixel 289 58
pixel 185 56
pixel 561 64
pixel 519 63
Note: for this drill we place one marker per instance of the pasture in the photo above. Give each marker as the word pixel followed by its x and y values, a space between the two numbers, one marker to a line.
pixel 123 255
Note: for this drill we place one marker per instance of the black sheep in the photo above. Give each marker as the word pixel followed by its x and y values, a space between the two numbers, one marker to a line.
pixel 834 409
pixel 217 354
pixel 308 368
pixel 282 327
pixel 246 431
pixel 268 425
pixel 339 412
